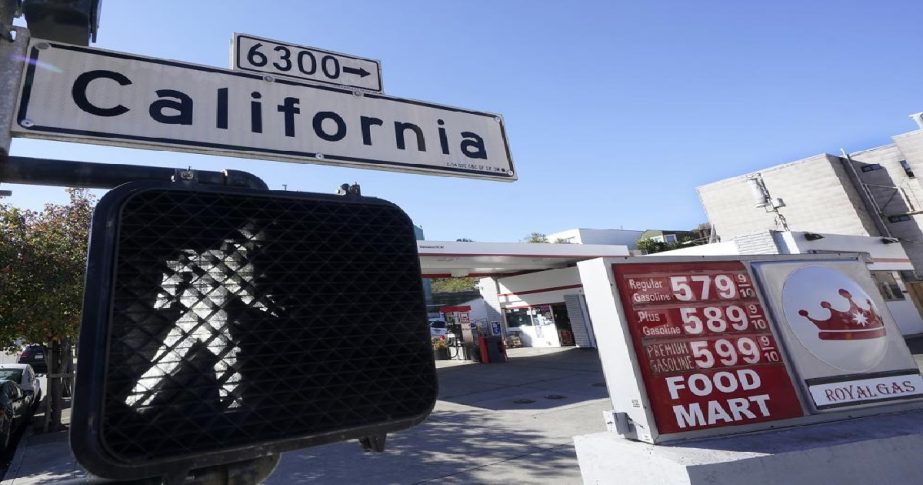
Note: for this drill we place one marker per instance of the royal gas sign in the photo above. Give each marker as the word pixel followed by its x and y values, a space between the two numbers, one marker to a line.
pixel 839 334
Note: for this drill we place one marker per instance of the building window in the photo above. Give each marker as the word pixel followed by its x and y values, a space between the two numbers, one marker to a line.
pixel 518 317
pixel 870 167
pixel 908 275
pixel 907 168
pixel 530 316
pixel 887 285
pixel 670 238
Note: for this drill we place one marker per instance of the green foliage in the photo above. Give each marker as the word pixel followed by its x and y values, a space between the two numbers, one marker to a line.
pixel 536 237
pixel 453 285
pixel 42 266
pixel 650 246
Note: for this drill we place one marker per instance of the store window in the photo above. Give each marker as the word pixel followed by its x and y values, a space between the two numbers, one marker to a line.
pixel 536 315
pixel 887 285
pixel 518 317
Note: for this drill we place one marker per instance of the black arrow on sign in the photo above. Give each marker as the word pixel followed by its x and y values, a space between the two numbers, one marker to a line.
pixel 352 70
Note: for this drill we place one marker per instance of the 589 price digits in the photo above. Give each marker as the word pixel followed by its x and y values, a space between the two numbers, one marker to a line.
pixel 721 319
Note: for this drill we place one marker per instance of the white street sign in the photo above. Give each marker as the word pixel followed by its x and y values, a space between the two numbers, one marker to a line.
pixel 255 54
pixel 80 94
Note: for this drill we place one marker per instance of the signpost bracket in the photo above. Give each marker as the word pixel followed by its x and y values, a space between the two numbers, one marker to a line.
pixel 65 173
pixel 12 50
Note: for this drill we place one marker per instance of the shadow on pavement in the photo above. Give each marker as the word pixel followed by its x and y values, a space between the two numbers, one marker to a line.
pixel 448 444
pixel 528 381
pixel 494 423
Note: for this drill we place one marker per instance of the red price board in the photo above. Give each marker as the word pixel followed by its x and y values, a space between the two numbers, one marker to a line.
pixel 702 338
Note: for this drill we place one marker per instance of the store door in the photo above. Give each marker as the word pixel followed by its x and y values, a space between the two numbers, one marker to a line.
pixel 562 322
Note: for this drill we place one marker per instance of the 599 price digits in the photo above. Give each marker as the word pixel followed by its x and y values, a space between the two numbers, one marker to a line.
pixel 727 353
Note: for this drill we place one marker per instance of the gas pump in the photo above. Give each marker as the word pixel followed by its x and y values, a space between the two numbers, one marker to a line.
pixel 459 323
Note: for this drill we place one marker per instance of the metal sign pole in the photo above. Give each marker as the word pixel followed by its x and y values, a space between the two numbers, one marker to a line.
pixel 12 55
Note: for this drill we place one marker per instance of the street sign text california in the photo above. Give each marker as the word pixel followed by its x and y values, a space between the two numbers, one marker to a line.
pixel 87 95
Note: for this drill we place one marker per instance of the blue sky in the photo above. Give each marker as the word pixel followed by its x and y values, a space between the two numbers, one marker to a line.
pixel 615 110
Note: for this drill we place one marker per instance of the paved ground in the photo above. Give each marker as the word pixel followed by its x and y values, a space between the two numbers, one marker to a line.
pixel 510 422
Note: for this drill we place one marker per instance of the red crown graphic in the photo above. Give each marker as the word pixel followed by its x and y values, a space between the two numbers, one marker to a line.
pixel 856 323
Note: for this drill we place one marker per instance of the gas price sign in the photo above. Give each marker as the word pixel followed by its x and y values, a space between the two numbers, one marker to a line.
pixel 704 345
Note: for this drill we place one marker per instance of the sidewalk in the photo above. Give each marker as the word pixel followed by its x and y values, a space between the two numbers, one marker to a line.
pixel 510 422
pixel 43 458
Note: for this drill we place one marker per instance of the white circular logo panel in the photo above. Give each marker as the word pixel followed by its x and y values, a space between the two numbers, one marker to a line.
pixel 834 318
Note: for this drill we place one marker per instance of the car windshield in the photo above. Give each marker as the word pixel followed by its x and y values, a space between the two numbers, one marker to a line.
pixel 14 375
pixel 437 324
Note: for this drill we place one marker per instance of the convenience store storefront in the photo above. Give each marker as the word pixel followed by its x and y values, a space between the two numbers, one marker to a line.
pixel 532 290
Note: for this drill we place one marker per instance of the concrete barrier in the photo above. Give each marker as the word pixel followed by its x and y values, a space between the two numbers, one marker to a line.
pixel 876 449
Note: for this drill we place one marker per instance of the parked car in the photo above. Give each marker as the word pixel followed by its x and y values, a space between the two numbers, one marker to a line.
pixel 20 393
pixel 34 355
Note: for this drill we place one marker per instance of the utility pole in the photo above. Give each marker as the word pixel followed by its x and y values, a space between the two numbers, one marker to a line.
pixel 13 42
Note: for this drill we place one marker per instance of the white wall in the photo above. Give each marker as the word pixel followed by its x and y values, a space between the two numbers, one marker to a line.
pixel 713 249
pixel 884 256
pixel 479 310
pixel 817 193
pixel 619 237
pixel 538 288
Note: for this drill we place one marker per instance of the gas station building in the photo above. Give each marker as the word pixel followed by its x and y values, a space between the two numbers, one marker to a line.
pixel 534 290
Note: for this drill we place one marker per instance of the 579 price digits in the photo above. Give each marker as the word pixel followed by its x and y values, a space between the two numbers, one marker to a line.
pixel 721 286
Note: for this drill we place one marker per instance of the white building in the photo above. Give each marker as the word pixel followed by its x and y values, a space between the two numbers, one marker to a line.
pixel 865 201
pixel 873 192
pixel 618 237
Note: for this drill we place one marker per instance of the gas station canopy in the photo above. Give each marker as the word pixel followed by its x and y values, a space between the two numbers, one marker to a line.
pixel 444 259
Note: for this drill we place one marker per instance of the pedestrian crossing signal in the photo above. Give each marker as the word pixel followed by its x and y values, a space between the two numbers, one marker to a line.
pixel 221 324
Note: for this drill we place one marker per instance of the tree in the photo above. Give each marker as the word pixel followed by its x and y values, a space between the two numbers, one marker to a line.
pixel 536 237
pixel 650 246
pixel 42 266
pixel 454 285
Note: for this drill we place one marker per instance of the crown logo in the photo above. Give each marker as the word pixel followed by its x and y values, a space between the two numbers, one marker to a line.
pixel 856 323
